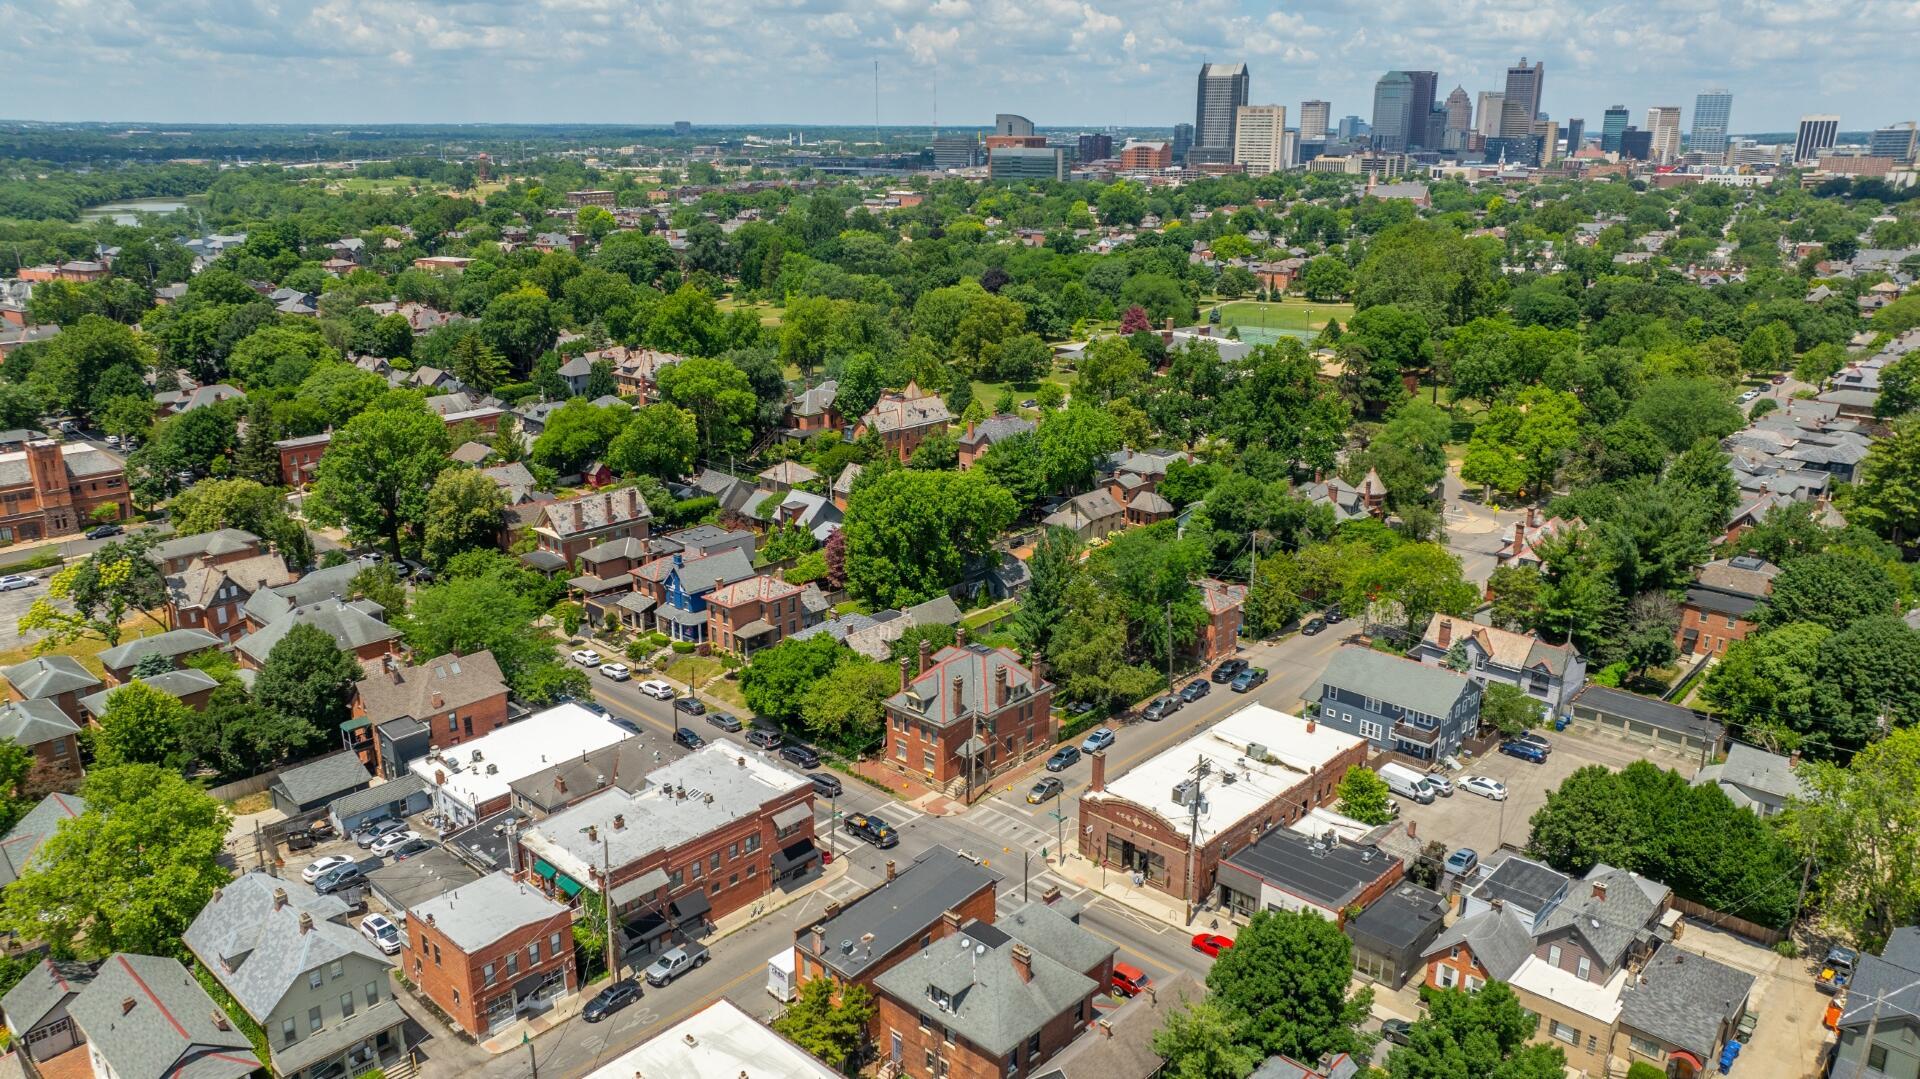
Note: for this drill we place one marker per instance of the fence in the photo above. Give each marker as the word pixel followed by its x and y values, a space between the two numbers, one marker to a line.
pixel 240 788
pixel 1740 927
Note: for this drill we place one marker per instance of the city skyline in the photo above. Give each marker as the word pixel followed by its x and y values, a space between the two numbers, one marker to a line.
pixel 1121 62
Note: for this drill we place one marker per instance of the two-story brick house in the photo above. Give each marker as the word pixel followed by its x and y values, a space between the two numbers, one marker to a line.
pixel 812 410
pixel 679 587
pixel 904 419
pixel 1398 705
pixel 215 548
pixel 52 488
pixel 173 646
pixel 1225 603
pixel 490 951
pixel 1719 606
pixel 967 715
pixel 759 612
pixel 980 437
pixel 59 680
pixel 571 527
pixel 1549 673
pixel 53 739
pixel 926 901
pixel 212 596
pixel 402 712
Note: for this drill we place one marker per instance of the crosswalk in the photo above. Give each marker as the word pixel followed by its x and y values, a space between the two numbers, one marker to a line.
pixel 1015 831
pixel 894 813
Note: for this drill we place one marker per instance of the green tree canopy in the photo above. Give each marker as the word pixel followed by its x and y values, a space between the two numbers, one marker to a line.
pixel 377 471
pixel 910 534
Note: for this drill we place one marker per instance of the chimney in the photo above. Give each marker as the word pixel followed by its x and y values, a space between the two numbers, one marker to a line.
pixel 926 654
pixel 1498 903
pixel 633 501
pixel 1533 516
pixel 819 940
pixel 593 833
pixel 959 695
pixel 1413 829
pixel 960 636
pixel 126 1006
pixel 578 521
pixel 1311 724
pixel 1022 961
pixel 619 822
pixel 1098 761
pixel 1600 890
pixel 439 701
pixel 306 922
pixel 833 910
pixel 279 898
pixel 1519 537
pixel 906 678
pixel 1446 632
pixel 559 784
pixel 1000 686
pixel 890 870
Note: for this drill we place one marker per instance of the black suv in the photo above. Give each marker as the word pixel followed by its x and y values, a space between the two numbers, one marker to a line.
pixel 1227 669
pixel 825 784
pixel 689 737
pixel 801 755
pixel 764 738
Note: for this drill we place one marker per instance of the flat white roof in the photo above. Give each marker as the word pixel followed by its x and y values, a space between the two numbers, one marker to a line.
pixel 513 752
pixel 1292 755
pixel 1600 1000
pixel 721 1041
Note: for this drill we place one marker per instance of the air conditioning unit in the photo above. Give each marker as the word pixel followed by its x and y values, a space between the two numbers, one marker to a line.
pixel 1256 751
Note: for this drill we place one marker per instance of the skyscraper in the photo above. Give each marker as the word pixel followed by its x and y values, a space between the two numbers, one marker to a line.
pixel 1223 89
pixel 1635 144
pixel 1095 147
pixel 1576 134
pixel 1897 141
pixel 1521 105
pixel 1352 127
pixel 1393 111
pixel 1663 125
pixel 1182 142
pixel 1260 138
pixel 1611 126
pixel 1313 120
pixel 1817 133
pixel 1711 111
pixel 1459 110
pixel 1486 121
pixel 1420 110
pixel 1008 123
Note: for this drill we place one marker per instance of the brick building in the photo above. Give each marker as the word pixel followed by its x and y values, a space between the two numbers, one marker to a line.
pixel 813 410
pixel 759 612
pixel 52 489
pixel 300 456
pixel 1224 603
pixel 567 529
pixel 1263 769
pixel 980 437
pixel 60 680
pixel 1143 156
pixel 216 548
pixel 967 715
pixel 903 419
pixel 117 664
pixel 213 596
pixel 488 951
pixel 856 941
pixel 1720 603
pixel 51 737
pixel 403 712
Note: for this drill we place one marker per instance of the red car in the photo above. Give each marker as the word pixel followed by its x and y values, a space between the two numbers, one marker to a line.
pixel 1129 981
pixel 1211 943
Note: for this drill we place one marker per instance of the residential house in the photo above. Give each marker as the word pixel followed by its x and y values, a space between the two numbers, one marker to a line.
pixel 623 764
pixel 54 489
pixel 173 646
pixel 570 527
pixel 212 597
pixel 269 605
pixel 317 988
pixel 1761 781
pixel 1479 948
pixel 491 951
pixel 926 901
pixel 470 453
pixel 1720 603
pixel 402 712
pixel 1523 547
pixel 759 612
pixel 1549 673
pixel 1324 874
pixel 52 741
pixel 1224 602
pixel 145 1017
pixel 1094 515
pixel 58 679
pixel 574 375
pixel 1125 473
pixel 1644 719
pixel 843 485
pixel 1522 887
pixel 679 587
pixel 785 476
pixel 636 371
pixel 1680 1011
pixel 1399 705
pixel 1879 1024
pixel 174 402
pixel 812 410
pixel 969 714
pixel 300 457
pixel 24 839
pixel 357 627
pixel 791 509
pixel 315 785
pixel 1391 936
pixel 903 419
pixel 1350 502
pixel 981 436
pixel 193 688
pixel 39 1021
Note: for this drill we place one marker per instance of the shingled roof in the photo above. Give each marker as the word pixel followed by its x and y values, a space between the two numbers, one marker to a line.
pixel 443 684
pixel 976 670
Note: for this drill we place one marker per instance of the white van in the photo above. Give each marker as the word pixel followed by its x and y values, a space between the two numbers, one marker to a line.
pixel 780 978
pixel 1407 783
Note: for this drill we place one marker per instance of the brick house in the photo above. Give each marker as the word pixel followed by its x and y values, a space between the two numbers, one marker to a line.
pixel 927 901
pixel 568 528
pixel 488 951
pixel 904 419
pixel 357 627
pixel 118 663
pixel 812 410
pixel 213 596
pixel 52 489
pixel 980 437
pixel 216 548
pixel 1479 948
pixel 402 712
pixel 759 612
pixel 969 714
pixel 60 680
pixel 300 456
pixel 1094 515
pixel 53 739
pixel 680 587
pixel 1225 603
pixel 1719 605
pixel 193 688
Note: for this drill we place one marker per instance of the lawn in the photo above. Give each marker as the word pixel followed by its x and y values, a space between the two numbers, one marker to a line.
pixel 87 650
pixel 1299 316
pixel 769 314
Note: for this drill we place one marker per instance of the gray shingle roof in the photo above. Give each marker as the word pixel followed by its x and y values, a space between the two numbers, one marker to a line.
pixel 30 831
pixel 49 676
pixel 1497 937
pixel 1049 931
pixel 254 947
pixel 173 1031
pixel 477 914
pixel 265 606
pixel 901 909
pixel 1887 984
pixel 335 774
pixel 218 542
pixel 1522 883
pixel 930 696
pixel 993 1007
pixel 176 684
pixel 350 627
pixel 1404 682
pixel 1747 766
pixel 29 723
pixel 379 795
pixel 1685 1000
pixel 40 990
pixel 171 644
pixel 1647 710
pixel 1607 923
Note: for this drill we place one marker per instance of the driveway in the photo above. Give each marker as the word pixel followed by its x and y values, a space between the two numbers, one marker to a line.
pixel 1788 1039
pixel 1474 532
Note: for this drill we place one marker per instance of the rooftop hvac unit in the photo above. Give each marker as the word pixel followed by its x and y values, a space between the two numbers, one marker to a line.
pixel 1183 792
pixel 1256 751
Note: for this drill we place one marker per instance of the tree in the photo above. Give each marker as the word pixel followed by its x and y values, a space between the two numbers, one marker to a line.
pixel 578 433
pixel 477 363
pixel 835 557
pixel 1414 580
pixel 1767 682
pixel 1584 822
pixel 1888 497
pixel 1287 975
pixel 778 682
pixel 307 676
pixel 465 509
pixel 1326 279
pixel 377 471
pixel 1508 709
pixel 833 1031
pixel 281 354
pixel 1516 596
pixel 1521 445
pixel 92 599
pixel 1363 796
pixel 130 873
pixel 1052 567
pixel 1381 344
pixel 1833 589
pixel 1273 600
pixel 1109 368
pixel 1868 679
pixel 484 602
pixel 1683 411
pixel 1205 1040
pixel 142 725
pixel 721 398
pixel 1465 1035
pixel 911 534
pixel 1861 825
pixel 844 709
pixel 658 440
pixel 519 324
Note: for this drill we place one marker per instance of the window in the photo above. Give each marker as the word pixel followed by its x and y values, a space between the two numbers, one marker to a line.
pixel 533 954
pixel 900 747
pixel 1648 1047
pixel 453 724
pixel 674 881
pixel 1553 954
pixel 929 760
pixel 373 993
pixel 713 863
pixel 487 973
pixel 733 851
pixel 456 996
pixel 696 870
pixel 752 844
pixel 1563 1032
pixel 1447 976
pixel 315 979
pixel 1583 967
pixel 436 955
pixel 513 963
pixel 336 969
pixel 553 944
pixel 750 870
pixel 1877 1058
pixel 346 1005
pixel 1372 731
pixel 313 1018
pixel 1730 622
pixel 287 1032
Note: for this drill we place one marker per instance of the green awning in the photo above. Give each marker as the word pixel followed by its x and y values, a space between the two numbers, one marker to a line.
pixel 542 870
pixel 352 725
pixel 567 885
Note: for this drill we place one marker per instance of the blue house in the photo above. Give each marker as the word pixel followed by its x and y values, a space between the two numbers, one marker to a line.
pixel 682 613
pixel 1400 705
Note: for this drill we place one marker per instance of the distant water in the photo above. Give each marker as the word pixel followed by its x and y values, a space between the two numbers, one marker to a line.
pixel 127 212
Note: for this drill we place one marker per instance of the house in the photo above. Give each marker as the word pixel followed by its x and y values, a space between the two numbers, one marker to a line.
pixel 173 646
pixel 792 509
pixel 1523 547
pixel 1391 936
pixel 624 764
pixel 401 886
pixel 567 528
pixel 1719 606
pixel 1680 1011
pixel 1224 602
pixel 1094 515
pixel 54 488
pixel 23 841
pixel 786 475
pixel 193 688
pixel 981 436
pixel 318 989
pixel 1338 1066
pixel 1479 948
pixel 926 901
pixel 145 1017
pixel 355 627
pixel 1754 778
pixel 37 1007
pixel 679 587
pixel 636 371
pixel 58 679
pixel 490 951
pixel 52 740
pixel 270 605
pixel 812 410
pixel 399 798
pixel 1879 1024
pixel 470 453
pixel 574 375
pixel 1549 673
pixel 843 485
pixel 1271 768
pixel 903 419
pixel 1350 502
pixel 1520 886
pixel 475 780
pixel 718 1040
pixel 1284 870
pixel 300 457
pixel 1644 719
pixel 174 402
pixel 759 612
pixel 315 785
pixel 1398 705
pixel 969 714
pixel 402 712
pixel 209 597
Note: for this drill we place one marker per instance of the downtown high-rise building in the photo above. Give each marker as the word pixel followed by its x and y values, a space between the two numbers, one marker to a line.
pixel 1611 126
pixel 1095 147
pixel 1899 142
pixel 1486 116
pixel 1422 132
pixel 1663 126
pixel 1816 136
pixel 1712 109
pixel 1314 117
pixel 1008 123
pixel 1223 89
pixel 1260 138
pixel 1520 106
pixel 1459 110
pixel 1182 142
pixel 1392 111
pixel 1576 134
pixel 1352 127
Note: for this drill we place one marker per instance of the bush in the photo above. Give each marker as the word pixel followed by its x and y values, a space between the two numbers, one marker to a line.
pixel 1643 1070
pixel 1787 948
pixel 683 647
pixel 105 513
pixel 1076 726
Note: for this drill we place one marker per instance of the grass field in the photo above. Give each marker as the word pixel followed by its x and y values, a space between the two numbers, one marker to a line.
pixel 87 649
pixel 769 314
pixel 1288 314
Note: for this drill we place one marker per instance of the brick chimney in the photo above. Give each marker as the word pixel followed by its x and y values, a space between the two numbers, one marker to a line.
pixel 1000 692
pixel 593 833
pixel 960 636
pixel 306 922
pixel 1600 890
pixel 579 522
pixel 1022 961
pixel 906 677
pixel 959 694
pixel 439 700
pixel 1446 632
pixel 1098 761
pixel 619 822
pixel 633 501
pixel 1519 536
pixel 559 784
pixel 950 919
pixel 926 654
pixel 1311 724
pixel 833 910
pixel 279 898
pixel 819 940
pixel 1533 516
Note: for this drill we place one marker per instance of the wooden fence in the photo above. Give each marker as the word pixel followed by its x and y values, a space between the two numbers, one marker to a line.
pixel 240 788
pixel 1739 927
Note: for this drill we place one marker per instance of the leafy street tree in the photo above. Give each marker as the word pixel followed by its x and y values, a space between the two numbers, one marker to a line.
pixel 1831 589
pixel 721 398
pixel 658 440
pixel 1363 796
pixel 141 725
pixel 492 610
pixel 844 709
pixel 831 1030
pixel 910 534
pixel 115 581
pixel 1508 709
pixel 377 472
pixel 1521 446
pixel 778 683
pixel 1205 1040
pixel 307 676
pixel 1888 497
pixel 213 504
pixel 1288 975
pixel 1767 683
pixel 1860 824
pixel 1474 1035
pixel 465 510
pixel 1409 584
pixel 1054 564
pixel 1868 679
pixel 576 433
pixel 520 325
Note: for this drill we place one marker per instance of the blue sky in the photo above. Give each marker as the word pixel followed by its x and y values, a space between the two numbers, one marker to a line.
pixel 1061 62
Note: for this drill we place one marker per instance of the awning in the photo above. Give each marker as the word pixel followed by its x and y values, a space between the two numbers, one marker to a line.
pixel 755 628
pixel 567 885
pixel 352 725
pixel 639 887
pixel 794 855
pixel 792 815
pixel 542 870
pixel 645 926
pixel 532 983
pixel 692 905
pixel 680 616
pixel 1698 1067
pixel 637 602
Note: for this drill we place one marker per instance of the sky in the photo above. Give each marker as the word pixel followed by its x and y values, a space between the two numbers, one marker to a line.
pixel 1060 62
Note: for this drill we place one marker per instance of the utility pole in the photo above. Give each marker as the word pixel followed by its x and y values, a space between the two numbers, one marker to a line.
pixel 533 1062
pixel 606 909
pixel 1169 646
pixel 1193 836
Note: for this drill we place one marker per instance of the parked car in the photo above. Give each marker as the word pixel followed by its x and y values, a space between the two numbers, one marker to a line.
pixel 1526 751
pixel 1462 861
pixel 104 531
pixel 674 963
pixel 380 929
pixel 392 841
pixel 1485 788
pixel 322 866
pixel 1195 690
pixel 1049 787
pixel 344 876
pixel 16 580
pixel 690 705
pixel 300 839
pixel 1129 980
pixel 1397 1031
pixel 1211 944
pixel 627 725
pixel 586 657
pixel 1099 738
pixel 619 672
pixel 1227 669
pixel 872 829
pixel 1778 380
pixel 1748 396
pixel 689 737
pixel 1312 627
pixel 800 755
pixel 1335 615
pixel 1537 740
pixel 764 738
pixel 591 705
pixel 658 690
pixel 825 783
pixel 1161 708
pixel 374 833
pixel 412 848
pixel 1441 785
pixel 1247 679
pixel 1062 759
pixel 723 721
pixel 611 999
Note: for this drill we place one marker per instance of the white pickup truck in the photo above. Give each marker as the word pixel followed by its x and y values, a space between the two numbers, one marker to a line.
pixel 672 964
